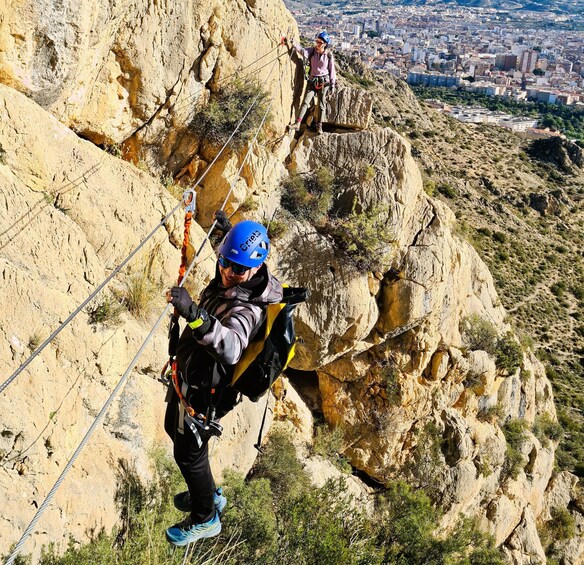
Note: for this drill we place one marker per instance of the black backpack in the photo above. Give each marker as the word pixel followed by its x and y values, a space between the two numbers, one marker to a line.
pixel 266 357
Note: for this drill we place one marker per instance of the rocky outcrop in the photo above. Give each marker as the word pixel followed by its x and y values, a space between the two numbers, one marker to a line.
pixel 559 151
pixel 404 388
pixel 349 108
pixel 545 204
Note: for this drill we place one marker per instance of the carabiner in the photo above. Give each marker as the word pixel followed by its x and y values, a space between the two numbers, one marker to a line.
pixel 189 199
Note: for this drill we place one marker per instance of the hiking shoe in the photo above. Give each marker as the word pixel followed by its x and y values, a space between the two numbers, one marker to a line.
pixel 186 532
pixel 318 128
pixel 182 501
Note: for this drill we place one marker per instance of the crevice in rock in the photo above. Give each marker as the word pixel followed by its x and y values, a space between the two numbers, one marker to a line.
pixel 424 227
pixel 169 94
pixel 306 385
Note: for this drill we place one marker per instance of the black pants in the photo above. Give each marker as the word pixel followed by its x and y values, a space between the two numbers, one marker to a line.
pixel 193 462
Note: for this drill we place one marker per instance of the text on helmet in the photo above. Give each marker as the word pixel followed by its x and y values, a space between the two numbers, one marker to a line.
pixel 247 243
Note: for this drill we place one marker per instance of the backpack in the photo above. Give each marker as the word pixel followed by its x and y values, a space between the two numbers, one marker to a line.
pixel 267 356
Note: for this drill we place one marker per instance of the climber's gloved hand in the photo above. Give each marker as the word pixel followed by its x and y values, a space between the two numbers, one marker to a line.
pixel 222 220
pixel 196 317
pixel 184 304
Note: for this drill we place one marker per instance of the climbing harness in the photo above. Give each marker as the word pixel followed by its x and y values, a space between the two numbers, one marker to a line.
pixel 201 425
pixel 317 83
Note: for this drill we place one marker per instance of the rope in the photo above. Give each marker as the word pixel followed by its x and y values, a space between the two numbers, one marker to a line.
pixel 124 377
pixel 41 347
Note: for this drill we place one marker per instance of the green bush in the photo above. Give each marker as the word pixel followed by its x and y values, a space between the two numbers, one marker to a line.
pixel 390 380
pixel 251 515
pixel 363 237
pixel 328 443
pixel 216 121
pixel 562 526
pixel 145 511
pixel 516 434
pixel 429 187
pixel 446 190
pixel 407 524
pixel 545 428
pixel 276 228
pixel 509 353
pixel 499 237
pixel 277 517
pixel 479 334
pixel 107 313
pixel 309 197
pixel 278 463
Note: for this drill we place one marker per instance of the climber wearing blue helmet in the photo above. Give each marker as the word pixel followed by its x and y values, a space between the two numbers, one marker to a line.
pixel 321 79
pixel 228 316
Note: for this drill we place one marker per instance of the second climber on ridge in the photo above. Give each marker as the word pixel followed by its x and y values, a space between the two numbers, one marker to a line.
pixel 321 77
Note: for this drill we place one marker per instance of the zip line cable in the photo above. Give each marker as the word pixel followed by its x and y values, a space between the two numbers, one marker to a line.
pixel 41 347
pixel 124 377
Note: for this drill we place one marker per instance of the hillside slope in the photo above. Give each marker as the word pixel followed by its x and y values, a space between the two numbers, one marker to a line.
pixel 521 205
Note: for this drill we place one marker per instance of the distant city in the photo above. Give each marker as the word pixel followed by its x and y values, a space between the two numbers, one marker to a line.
pixel 521 55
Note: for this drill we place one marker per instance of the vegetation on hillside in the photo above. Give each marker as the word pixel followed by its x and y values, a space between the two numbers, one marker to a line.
pixel 522 208
pixel 276 516
pixel 362 236
pixel 567 119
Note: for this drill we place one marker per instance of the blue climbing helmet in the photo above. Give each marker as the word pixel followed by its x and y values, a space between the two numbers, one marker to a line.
pixel 246 244
pixel 324 36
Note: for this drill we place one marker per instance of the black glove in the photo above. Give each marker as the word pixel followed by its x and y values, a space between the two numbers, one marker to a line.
pixel 197 318
pixel 222 220
pixel 184 304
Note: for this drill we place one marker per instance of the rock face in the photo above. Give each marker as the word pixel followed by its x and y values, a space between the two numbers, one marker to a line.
pixel 394 367
pixel 399 378
pixel 137 71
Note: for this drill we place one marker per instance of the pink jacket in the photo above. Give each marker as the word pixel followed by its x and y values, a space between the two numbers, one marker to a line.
pixel 320 65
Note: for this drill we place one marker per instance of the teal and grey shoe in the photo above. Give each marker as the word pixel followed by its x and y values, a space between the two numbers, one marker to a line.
pixel 182 501
pixel 186 532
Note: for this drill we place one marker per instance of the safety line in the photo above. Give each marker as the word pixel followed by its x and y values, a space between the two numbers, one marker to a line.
pixel 124 377
pixel 39 349
pixel 80 447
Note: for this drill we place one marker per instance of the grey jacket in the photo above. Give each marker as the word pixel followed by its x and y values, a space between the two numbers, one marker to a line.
pixel 236 315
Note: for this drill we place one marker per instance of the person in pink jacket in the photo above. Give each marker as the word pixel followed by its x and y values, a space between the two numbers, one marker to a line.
pixel 321 80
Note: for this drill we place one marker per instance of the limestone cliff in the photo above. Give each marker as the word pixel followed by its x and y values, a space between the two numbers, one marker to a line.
pixel 394 367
